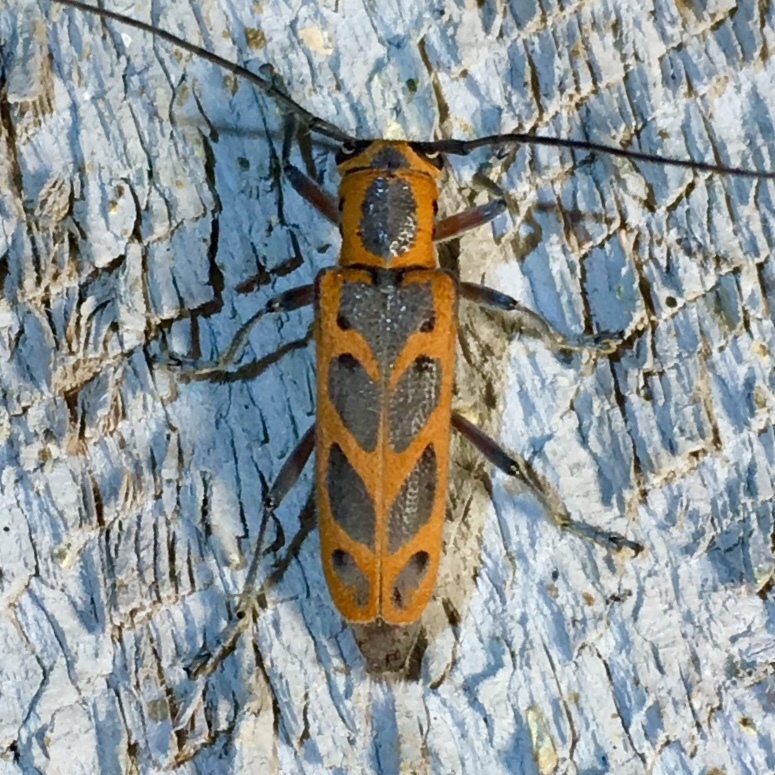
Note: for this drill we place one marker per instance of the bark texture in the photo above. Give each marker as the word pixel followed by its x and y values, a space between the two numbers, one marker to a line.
pixel 143 211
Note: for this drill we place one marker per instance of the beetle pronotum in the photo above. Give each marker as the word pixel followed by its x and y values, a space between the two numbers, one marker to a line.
pixel 385 332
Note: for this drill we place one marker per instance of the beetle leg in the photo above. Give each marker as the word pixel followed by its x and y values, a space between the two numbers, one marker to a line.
pixel 326 204
pixel 456 224
pixel 532 324
pixel 307 523
pixel 208 659
pixel 541 489
pixel 294 298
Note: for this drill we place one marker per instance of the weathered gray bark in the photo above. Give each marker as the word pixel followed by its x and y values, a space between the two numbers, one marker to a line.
pixel 139 188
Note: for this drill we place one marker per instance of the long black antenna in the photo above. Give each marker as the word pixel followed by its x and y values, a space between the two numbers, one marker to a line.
pixel 455 147
pixel 267 85
pixel 464 147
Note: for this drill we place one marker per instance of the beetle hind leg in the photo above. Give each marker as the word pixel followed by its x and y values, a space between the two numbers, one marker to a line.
pixel 209 657
pixel 532 324
pixel 542 490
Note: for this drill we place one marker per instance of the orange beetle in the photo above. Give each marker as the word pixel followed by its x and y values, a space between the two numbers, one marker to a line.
pixel 385 331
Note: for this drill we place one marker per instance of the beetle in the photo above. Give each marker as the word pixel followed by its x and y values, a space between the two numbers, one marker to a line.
pixel 385 330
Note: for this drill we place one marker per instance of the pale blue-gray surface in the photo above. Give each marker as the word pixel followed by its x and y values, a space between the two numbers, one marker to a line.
pixel 139 187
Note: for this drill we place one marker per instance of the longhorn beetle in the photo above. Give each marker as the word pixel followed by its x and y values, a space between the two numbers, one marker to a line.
pixel 385 322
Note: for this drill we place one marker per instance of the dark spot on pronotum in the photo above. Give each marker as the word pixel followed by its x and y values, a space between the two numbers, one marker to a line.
pixel 388 224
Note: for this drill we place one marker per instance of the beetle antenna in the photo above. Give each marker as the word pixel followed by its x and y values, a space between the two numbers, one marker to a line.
pixel 266 84
pixel 269 86
pixel 464 147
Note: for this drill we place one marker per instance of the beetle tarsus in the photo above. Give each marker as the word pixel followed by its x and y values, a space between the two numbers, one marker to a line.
pixel 207 659
pixel 612 541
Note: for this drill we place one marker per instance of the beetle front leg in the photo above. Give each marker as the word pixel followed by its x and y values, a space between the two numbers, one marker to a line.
pixel 459 223
pixel 541 489
pixel 532 324
pixel 326 204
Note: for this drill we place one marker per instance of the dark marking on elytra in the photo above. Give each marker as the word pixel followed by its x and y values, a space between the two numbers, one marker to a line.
pixel 413 400
pixel 388 225
pixel 385 315
pixel 409 578
pixel 351 505
pixel 356 399
pixel 413 504
pixel 351 576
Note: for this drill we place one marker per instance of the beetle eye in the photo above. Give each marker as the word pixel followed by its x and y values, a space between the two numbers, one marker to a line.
pixel 435 158
pixel 431 155
pixel 348 149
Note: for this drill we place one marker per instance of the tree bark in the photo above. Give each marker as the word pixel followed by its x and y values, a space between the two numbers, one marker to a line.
pixel 143 214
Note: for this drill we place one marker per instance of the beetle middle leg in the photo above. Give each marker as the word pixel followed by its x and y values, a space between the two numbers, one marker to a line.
pixel 292 299
pixel 543 491
pixel 532 324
